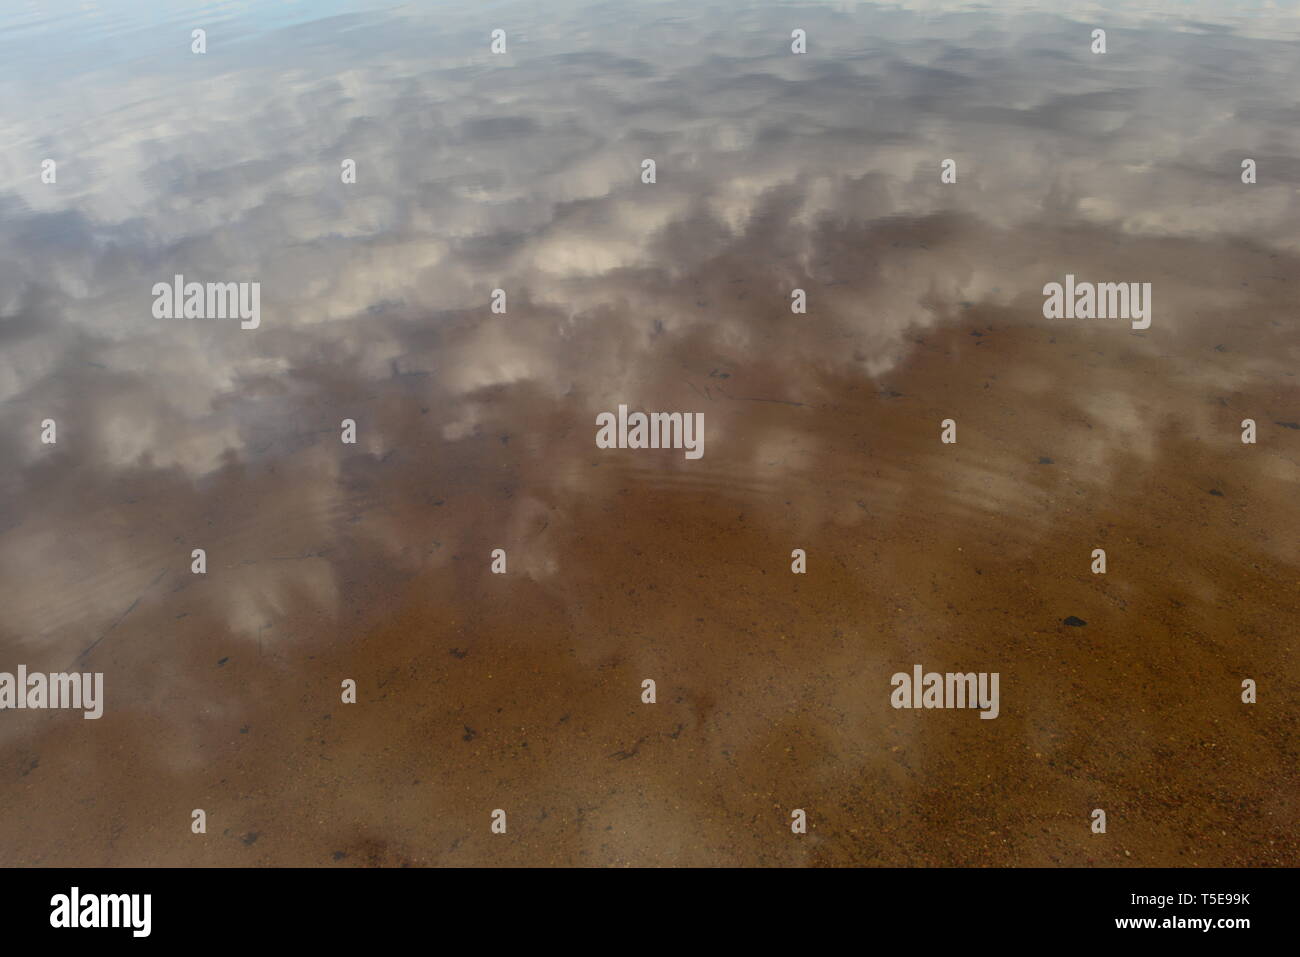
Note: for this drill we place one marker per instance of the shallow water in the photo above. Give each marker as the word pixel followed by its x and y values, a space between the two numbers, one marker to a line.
pixel 475 431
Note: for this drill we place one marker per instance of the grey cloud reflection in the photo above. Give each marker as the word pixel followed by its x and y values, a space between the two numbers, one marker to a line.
pixel 474 176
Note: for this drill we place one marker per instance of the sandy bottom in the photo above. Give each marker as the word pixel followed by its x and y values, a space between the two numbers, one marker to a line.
pixel 523 691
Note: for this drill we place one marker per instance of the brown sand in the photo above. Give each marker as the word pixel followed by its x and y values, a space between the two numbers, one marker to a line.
pixel 522 691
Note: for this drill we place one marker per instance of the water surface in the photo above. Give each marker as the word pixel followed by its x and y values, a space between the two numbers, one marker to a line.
pixel 476 431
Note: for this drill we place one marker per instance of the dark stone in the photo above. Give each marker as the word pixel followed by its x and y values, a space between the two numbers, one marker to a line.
pixel 1075 622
